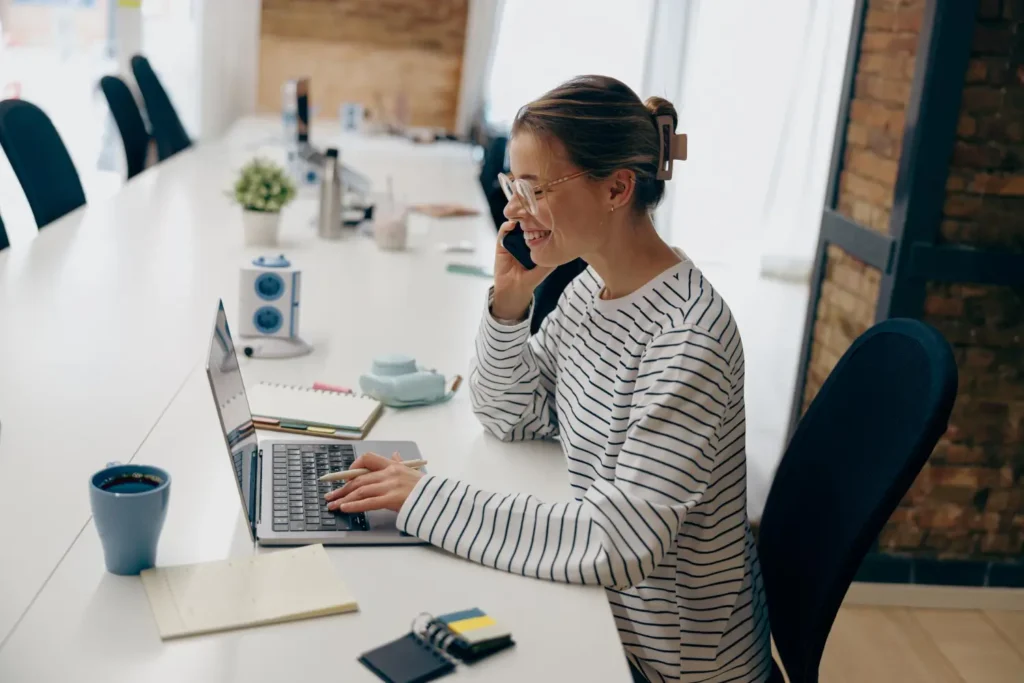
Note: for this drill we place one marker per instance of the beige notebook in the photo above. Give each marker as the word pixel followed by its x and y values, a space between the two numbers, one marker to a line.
pixel 269 588
pixel 328 413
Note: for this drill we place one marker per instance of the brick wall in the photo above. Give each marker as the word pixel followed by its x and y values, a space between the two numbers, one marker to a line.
pixel 969 501
pixel 366 51
pixel 872 148
pixel 846 309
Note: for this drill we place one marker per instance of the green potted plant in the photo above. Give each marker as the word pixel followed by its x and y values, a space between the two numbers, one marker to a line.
pixel 263 188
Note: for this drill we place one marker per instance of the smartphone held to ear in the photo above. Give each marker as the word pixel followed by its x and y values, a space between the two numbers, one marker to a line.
pixel 514 242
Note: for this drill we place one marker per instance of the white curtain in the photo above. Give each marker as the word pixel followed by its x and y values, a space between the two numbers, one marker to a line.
pixel 668 43
pixel 758 97
pixel 794 198
pixel 541 43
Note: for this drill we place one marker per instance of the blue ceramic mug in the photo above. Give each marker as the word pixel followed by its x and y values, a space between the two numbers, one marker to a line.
pixel 129 504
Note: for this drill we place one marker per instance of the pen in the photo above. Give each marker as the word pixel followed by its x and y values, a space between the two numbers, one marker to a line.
pixel 345 475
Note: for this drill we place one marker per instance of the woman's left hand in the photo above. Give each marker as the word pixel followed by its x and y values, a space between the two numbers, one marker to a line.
pixel 385 487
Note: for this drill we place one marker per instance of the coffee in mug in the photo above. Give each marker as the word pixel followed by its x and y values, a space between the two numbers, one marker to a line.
pixel 130 482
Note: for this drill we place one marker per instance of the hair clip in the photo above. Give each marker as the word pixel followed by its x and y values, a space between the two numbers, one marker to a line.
pixel 671 146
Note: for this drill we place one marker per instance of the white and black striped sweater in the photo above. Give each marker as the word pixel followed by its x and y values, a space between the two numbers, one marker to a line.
pixel 645 394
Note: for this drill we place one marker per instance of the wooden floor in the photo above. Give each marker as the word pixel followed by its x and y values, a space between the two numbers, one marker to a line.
pixel 909 645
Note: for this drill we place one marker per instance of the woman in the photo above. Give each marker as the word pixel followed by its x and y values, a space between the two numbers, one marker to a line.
pixel 638 373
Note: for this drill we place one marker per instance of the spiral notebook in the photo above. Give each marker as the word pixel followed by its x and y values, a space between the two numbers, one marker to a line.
pixel 434 645
pixel 303 410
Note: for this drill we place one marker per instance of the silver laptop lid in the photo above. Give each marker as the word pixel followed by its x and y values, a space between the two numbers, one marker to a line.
pixel 235 418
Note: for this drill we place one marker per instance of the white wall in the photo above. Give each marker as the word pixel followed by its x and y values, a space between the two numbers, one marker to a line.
pixel 206 54
pixel 229 49
pixel 482 26
pixel 170 41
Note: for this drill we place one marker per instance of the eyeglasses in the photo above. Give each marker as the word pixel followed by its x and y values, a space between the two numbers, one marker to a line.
pixel 527 193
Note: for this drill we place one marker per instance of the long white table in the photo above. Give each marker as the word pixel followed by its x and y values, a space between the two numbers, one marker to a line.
pixel 105 318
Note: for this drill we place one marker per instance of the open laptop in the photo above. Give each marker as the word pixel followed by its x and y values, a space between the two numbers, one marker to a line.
pixel 278 479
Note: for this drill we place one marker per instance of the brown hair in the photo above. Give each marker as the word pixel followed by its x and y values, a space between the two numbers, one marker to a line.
pixel 604 127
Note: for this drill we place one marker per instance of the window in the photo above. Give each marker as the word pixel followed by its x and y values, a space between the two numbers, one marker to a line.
pixel 759 95
pixel 542 43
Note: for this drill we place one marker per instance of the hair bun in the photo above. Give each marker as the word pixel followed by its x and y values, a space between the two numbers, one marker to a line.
pixel 659 106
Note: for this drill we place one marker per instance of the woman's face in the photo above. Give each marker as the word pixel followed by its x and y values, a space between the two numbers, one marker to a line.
pixel 571 218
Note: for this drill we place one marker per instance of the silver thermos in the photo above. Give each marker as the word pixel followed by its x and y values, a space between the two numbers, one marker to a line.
pixel 329 222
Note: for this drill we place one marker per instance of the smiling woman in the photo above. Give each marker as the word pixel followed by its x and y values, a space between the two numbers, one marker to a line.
pixel 638 372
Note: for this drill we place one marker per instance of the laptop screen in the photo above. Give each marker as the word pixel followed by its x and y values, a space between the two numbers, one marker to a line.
pixel 235 419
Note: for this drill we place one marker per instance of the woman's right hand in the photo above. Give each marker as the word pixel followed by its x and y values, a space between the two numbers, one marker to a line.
pixel 513 284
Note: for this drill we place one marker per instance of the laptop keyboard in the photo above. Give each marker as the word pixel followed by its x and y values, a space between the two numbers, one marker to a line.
pixel 299 503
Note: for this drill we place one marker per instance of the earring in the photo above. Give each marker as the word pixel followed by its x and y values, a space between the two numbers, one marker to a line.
pixel 611 210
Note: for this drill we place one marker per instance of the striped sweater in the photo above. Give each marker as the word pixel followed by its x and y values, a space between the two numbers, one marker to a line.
pixel 645 395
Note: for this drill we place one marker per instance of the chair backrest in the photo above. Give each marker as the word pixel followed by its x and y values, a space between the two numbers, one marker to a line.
pixel 852 458
pixel 495 154
pixel 548 292
pixel 4 243
pixel 495 148
pixel 168 132
pixel 129 122
pixel 40 160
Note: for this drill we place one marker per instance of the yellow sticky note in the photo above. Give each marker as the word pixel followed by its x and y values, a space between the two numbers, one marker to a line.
pixel 466 625
pixel 320 430
pixel 134 4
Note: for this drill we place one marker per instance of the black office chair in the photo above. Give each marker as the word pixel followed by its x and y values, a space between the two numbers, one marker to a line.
pixel 854 455
pixel 495 162
pixel 547 293
pixel 40 160
pixel 129 122
pixel 4 243
pixel 168 132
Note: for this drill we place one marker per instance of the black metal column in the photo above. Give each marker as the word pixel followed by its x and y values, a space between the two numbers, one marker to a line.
pixel 944 48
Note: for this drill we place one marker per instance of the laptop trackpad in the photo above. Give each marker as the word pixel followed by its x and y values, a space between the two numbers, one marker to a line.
pixel 379 520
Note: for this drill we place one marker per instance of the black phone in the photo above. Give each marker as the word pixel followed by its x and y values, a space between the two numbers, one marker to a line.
pixel 514 242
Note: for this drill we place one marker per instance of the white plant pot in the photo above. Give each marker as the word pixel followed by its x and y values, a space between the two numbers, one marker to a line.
pixel 261 227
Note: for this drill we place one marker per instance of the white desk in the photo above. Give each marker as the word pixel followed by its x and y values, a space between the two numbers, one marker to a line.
pixel 104 314
pixel 170 245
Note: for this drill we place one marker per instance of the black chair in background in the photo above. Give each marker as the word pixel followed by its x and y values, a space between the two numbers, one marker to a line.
pixel 495 162
pixel 4 243
pixel 168 132
pixel 545 297
pixel 129 122
pixel 852 458
pixel 40 160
